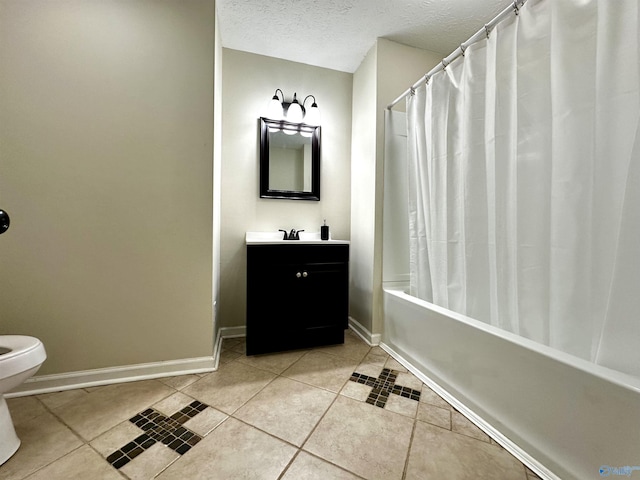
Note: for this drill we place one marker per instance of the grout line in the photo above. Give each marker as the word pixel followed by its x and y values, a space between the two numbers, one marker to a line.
pixel 331 463
pixel 304 442
pixel 284 471
pixel 406 460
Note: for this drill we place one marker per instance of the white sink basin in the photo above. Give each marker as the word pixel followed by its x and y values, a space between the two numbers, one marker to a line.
pixel 274 238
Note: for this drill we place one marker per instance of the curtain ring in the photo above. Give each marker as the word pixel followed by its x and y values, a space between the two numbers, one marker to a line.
pixel 412 91
pixel 487 29
pixel 516 8
pixel 444 65
pixel 426 79
pixel 462 48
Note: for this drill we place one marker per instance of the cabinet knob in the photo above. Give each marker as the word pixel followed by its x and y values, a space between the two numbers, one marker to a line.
pixel 298 275
pixel 305 274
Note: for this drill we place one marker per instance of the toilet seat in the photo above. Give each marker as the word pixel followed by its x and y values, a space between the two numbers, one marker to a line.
pixel 25 353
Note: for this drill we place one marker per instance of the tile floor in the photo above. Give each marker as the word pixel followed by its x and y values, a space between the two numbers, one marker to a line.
pixel 339 412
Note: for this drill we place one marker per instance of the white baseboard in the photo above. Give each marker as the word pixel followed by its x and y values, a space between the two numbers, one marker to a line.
pixel 107 376
pixel 233 332
pixel 371 338
pixel 147 371
pixel 507 444
pixel 227 332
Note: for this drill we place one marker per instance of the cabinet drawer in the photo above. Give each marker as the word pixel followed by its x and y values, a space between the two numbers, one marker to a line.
pixel 295 254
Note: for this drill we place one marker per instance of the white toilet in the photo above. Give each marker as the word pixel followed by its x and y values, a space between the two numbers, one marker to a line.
pixel 20 357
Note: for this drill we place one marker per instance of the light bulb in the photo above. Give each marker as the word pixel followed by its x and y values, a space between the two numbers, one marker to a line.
pixel 274 109
pixel 313 115
pixel 294 114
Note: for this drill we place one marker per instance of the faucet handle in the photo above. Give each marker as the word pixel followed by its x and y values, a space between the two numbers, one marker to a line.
pixel 298 234
pixel 285 237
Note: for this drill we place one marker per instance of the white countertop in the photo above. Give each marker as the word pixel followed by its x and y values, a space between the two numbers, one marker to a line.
pixel 275 238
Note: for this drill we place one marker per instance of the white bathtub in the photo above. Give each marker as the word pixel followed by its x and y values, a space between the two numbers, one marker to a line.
pixel 563 416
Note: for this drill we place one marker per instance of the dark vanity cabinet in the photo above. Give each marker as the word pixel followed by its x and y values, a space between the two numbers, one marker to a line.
pixel 297 296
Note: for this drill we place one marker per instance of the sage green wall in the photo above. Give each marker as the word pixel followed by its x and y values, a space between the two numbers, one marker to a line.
pixel 106 131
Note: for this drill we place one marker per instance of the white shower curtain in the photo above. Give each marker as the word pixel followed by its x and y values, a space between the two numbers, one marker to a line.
pixel 524 183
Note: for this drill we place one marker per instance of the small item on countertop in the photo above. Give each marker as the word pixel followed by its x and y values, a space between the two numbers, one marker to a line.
pixel 324 231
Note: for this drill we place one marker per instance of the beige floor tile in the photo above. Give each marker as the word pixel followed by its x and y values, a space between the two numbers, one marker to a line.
pixel 180 381
pixel 44 439
pixel 231 342
pixel 322 370
pixel 287 409
pixel 108 406
pixel 357 391
pixel 230 387
pixel 150 463
pixel 403 406
pixel 113 439
pixel 353 348
pixel 460 424
pixel 437 453
pixel 23 409
pixel 438 416
pixel 431 397
pixel 393 364
pixel 378 351
pixel 376 356
pixel 369 369
pixel 406 379
pixel 173 403
pixel 227 356
pixel 205 421
pixel 81 463
pixel 366 440
pixel 308 467
pixel 58 399
pixel 234 450
pixel 274 362
pixel 240 346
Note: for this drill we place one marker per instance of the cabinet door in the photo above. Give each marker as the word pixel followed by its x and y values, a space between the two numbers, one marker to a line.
pixel 322 295
pixel 270 322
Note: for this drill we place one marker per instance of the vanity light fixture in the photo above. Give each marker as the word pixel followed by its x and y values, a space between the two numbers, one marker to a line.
pixel 292 111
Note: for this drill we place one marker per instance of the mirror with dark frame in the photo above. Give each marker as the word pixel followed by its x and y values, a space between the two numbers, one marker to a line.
pixel 289 160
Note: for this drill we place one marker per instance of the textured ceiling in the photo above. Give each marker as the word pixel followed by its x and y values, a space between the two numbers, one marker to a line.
pixel 337 34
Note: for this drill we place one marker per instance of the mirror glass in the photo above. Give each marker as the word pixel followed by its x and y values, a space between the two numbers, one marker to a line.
pixel 289 160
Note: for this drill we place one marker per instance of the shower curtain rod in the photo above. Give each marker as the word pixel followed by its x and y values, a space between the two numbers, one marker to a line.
pixel 484 32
